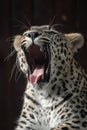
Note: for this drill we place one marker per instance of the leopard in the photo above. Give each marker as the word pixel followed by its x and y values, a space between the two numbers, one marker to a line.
pixel 55 97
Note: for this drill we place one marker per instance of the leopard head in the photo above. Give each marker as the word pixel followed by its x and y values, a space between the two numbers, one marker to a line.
pixel 44 53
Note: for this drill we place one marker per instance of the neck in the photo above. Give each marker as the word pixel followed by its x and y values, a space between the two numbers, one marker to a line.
pixel 70 81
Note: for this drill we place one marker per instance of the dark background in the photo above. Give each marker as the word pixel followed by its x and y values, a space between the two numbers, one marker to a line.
pixel 15 17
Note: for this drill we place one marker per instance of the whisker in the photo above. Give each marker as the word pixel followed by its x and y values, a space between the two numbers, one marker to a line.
pixel 12 72
pixel 42 40
pixel 21 28
pixel 22 24
pixel 52 21
pixel 17 75
pixel 54 25
pixel 17 70
pixel 45 38
pixel 19 25
pixel 27 21
pixel 17 64
pixel 10 39
pixel 10 55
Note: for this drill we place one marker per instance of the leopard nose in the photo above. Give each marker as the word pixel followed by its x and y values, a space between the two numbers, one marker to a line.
pixel 33 35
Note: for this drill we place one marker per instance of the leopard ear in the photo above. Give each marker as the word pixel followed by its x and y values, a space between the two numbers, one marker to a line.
pixel 17 42
pixel 76 40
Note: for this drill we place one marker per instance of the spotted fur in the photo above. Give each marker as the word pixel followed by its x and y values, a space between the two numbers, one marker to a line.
pixel 61 102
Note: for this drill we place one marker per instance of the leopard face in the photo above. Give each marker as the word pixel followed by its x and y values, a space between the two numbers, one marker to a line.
pixel 44 53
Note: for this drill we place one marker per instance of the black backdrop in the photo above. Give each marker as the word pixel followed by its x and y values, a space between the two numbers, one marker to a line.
pixel 15 15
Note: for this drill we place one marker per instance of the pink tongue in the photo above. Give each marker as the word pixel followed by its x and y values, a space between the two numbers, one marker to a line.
pixel 36 75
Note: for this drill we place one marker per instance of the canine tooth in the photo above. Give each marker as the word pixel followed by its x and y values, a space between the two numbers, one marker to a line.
pixel 41 48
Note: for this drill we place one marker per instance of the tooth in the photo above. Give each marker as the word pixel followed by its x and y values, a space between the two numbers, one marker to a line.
pixel 41 48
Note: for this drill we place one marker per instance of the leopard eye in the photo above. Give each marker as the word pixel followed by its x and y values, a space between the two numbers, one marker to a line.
pixel 50 32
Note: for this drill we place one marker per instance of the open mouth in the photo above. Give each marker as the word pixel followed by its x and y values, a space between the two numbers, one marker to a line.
pixel 38 60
